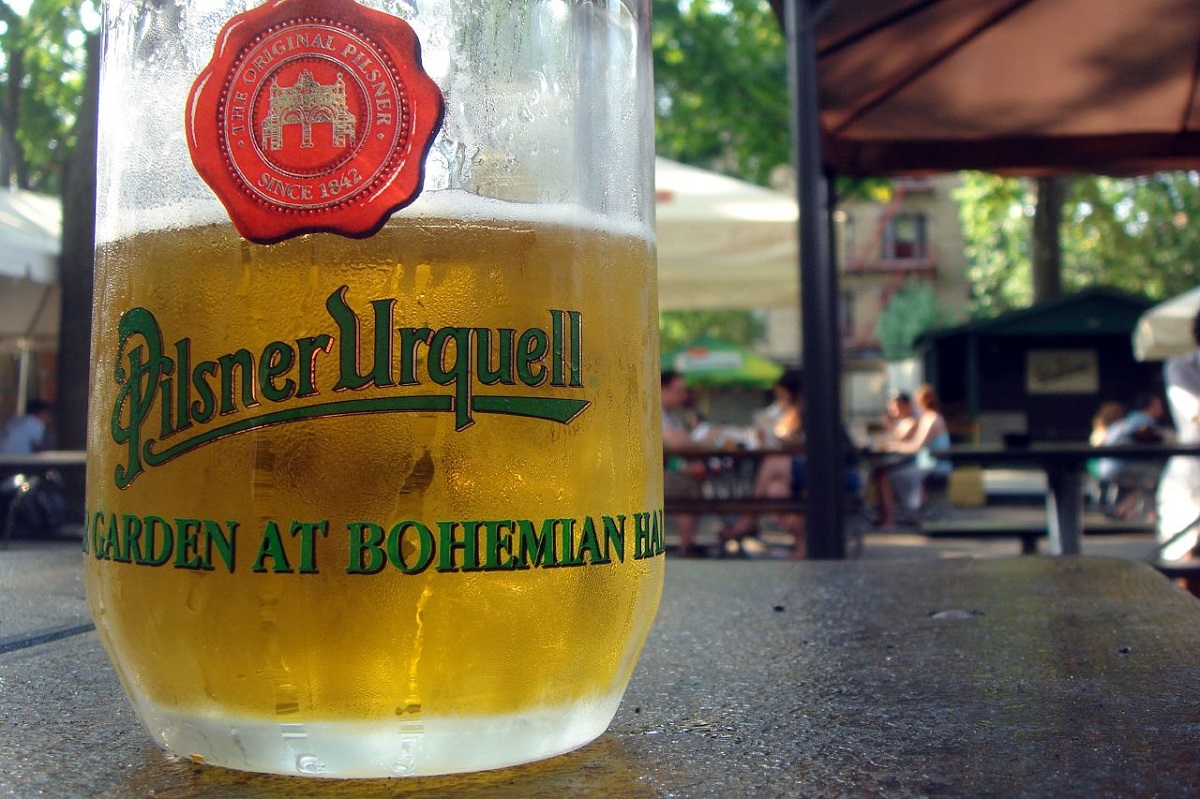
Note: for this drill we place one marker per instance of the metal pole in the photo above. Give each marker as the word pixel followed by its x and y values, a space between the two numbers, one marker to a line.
pixel 821 342
pixel 24 350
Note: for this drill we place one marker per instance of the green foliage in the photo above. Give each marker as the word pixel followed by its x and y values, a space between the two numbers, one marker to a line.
pixel 721 91
pixel 1135 234
pixel 996 215
pixel 721 86
pixel 912 310
pixel 676 328
pixel 42 61
pixel 721 95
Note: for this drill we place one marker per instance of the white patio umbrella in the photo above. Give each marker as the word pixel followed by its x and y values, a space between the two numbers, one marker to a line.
pixel 30 232
pixel 30 228
pixel 723 243
pixel 1166 329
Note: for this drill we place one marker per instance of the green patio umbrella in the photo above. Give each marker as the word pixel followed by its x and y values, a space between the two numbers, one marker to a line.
pixel 713 362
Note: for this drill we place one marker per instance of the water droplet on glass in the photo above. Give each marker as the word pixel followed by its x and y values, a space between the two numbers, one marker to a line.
pixel 310 764
pixel 195 599
pixel 406 760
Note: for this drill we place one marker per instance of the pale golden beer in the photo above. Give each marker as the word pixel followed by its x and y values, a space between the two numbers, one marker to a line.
pixel 374 456
pixel 320 515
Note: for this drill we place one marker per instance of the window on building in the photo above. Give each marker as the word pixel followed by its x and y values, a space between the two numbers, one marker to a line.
pixel 844 232
pixel 904 238
pixel 846 316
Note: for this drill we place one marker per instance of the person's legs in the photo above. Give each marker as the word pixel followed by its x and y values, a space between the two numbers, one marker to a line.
pixel 774 481
pixel 686 524
pixel 794 524
pixel 743 526
pixel 774 477
pixel 791 523
pixel 884 491
pixel 906 483
pixel 1139 481
pixel 679 485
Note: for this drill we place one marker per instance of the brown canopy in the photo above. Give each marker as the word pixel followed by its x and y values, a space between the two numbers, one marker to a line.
pixel 887 87
pixel 1020 86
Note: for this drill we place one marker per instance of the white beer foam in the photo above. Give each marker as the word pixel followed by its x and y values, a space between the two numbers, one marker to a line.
pixel 442 204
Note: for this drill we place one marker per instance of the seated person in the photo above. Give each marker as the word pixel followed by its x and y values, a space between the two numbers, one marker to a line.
pixel 774 479
pixel 1138 479
pixel 1106 416
pixel 900 422
pixel 784 476
pixel 678 483
pixel 680 436
pixel 904 483
pixel 852 485
pixel 26 434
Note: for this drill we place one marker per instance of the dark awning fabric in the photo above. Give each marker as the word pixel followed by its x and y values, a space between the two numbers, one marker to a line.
pixel 1031 87
pixel 1016 86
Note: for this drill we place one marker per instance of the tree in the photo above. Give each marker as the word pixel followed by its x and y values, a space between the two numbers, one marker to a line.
pixel 1046 245
pixel 721 94
pixel 996 214
pixel 1135 234
pixel 721 86
pixel 677 328
pixel 77 262
pixel 42 62
pixel 912 310
pixel 47 144
pixel 721 90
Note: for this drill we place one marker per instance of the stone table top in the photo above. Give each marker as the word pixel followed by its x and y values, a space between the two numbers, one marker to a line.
pixel 1031 676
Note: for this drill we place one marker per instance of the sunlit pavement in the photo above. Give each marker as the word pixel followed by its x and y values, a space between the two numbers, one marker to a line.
pixel 907 542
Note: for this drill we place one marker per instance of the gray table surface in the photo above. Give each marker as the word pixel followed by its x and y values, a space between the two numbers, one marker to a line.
pixel 1064 463
pixel 47 459
pixel 1026 676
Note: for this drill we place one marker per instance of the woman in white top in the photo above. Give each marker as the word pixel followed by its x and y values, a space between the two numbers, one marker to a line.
pixel 904 483
pixel 1178 496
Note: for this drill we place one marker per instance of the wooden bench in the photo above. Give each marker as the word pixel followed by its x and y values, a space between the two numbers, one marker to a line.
pixel 1178 569
pixel 1027 529
pixel 728 506
pixel 733 506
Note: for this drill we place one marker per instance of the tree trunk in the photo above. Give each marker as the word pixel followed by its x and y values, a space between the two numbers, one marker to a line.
pixel 12 155
pixel 75 273
pixel 1046 252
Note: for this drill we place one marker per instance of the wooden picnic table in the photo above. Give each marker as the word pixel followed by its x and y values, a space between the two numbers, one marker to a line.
pixel 1065 464
pixel 48 459
pixel 725 478
pixel 1070 677
pixel 725 482
pixel 70 466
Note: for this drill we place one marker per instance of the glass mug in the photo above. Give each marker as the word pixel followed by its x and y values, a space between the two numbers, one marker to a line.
pixel 374 479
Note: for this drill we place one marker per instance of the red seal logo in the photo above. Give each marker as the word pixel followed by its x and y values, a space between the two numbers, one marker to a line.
pixel 313 117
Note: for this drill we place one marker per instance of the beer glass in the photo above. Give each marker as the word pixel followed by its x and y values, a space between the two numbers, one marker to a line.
pixel 374 479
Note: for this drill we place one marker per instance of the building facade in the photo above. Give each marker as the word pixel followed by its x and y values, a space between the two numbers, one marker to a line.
pixel 880 247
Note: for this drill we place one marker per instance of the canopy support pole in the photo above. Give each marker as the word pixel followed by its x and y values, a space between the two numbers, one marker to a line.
pixel 23 352
pixel 973 377
pixel 821 342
